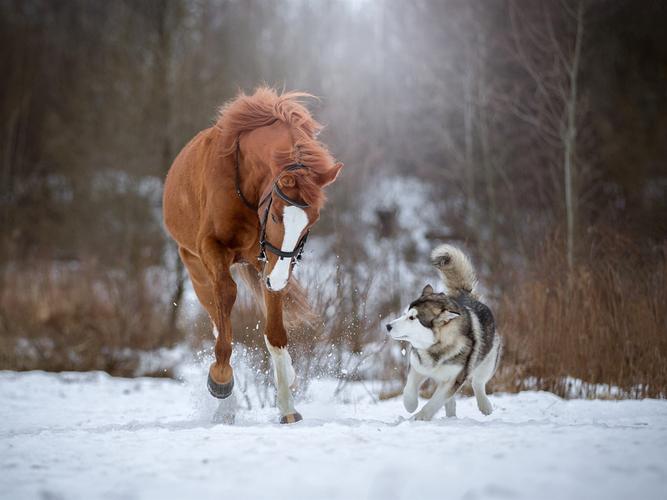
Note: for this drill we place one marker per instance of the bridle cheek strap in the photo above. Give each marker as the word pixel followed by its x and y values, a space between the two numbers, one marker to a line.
pixel 264 245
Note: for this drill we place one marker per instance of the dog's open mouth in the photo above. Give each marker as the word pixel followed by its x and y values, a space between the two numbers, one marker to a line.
pixel 402 337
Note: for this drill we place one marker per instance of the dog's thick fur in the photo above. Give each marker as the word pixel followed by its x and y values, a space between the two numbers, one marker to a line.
pixel 453 338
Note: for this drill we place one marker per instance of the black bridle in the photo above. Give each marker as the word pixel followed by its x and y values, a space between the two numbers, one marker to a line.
pixel 265 245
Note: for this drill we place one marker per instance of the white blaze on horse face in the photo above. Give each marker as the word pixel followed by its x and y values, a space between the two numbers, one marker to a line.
pixel 295 221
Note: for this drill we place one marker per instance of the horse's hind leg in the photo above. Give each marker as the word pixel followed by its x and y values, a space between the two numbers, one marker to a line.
pixel 276 342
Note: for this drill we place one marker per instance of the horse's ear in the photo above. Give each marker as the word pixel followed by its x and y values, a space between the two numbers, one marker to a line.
pixel 330 176
pixel 286 181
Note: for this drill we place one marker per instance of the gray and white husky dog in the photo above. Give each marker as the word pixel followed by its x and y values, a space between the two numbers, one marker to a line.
pixel 453 338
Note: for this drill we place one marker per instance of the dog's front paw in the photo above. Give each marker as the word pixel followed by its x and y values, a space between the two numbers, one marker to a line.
pixel 485 406
pixel 410 401
pixel 422 416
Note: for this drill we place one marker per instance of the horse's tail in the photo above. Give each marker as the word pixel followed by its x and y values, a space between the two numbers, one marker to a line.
pixel 297 309
pixel 251 278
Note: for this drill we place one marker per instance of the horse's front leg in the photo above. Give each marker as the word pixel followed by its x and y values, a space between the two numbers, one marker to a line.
pixel 217 262
pixel 276 342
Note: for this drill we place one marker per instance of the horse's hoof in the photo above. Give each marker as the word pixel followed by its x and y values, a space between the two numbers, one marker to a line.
pixel 292 418
pixel 220 391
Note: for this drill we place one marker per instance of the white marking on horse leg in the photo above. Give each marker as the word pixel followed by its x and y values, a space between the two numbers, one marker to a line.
pixel 284 377
pixel 291 374
pixel 215 331
pixel 295 221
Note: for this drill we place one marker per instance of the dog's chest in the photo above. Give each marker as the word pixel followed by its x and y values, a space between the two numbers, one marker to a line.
pixel 433 366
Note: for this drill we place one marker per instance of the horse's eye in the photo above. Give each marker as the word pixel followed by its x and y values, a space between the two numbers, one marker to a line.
pixel 274 218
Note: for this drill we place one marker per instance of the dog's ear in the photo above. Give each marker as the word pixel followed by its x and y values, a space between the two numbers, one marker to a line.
pixel 445 317
pixel 428 290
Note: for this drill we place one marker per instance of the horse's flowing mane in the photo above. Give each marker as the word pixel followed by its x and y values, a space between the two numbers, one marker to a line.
pixel 265 107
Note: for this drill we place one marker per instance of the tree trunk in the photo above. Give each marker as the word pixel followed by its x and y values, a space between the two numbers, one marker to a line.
pixel 570 142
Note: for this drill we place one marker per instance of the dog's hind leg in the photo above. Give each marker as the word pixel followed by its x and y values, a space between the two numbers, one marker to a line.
pixel 481 375
pixel 411 390
pixel 450 407
pixel 483 402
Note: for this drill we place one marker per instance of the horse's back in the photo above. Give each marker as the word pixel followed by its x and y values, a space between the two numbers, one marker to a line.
pixel 181 210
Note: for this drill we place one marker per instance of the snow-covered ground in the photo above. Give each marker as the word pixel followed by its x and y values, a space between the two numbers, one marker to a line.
pixel 85 436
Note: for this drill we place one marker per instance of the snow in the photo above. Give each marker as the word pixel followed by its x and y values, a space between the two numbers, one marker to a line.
pixel 89 435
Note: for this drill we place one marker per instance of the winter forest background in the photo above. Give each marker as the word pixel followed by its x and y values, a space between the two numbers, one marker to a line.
pixel 532 133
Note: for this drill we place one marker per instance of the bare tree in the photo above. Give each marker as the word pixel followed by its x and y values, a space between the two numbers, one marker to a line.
pixel 550 52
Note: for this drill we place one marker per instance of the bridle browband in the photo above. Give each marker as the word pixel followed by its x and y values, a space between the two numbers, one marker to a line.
pixel 265 245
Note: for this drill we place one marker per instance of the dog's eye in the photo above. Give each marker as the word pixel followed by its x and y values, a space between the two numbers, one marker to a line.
pixel 411 318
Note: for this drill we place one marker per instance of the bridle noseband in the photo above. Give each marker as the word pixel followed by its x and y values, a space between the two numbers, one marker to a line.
pixel 265 245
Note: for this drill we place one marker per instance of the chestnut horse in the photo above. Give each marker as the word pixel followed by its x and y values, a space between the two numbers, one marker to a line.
pixel 251 185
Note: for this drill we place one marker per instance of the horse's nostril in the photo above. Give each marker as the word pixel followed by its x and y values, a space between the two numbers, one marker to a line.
pixel 388 327
pixel 268 282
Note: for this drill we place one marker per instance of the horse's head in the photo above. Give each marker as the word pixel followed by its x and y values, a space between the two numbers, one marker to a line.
pixel 290 211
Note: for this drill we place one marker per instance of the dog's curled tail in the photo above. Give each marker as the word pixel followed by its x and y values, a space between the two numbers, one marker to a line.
pixel 456 269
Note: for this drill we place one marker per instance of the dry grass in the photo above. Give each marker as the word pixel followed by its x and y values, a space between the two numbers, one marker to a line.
pixel 603 323
pixel 80 317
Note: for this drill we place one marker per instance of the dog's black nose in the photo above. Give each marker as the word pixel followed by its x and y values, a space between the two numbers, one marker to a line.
pixel 388 327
